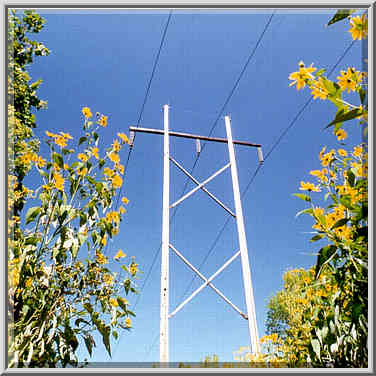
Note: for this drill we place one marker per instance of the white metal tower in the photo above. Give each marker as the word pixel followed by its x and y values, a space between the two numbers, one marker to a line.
pixel 166 245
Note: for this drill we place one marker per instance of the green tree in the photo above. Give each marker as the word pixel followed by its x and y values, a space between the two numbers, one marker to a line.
pixel 321 313
pixel 61 286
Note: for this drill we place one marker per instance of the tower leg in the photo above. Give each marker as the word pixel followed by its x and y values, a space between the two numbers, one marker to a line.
pixel 164 358
pixel 249 299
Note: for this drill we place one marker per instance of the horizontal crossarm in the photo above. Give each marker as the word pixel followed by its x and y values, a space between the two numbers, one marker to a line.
pixel 203 188
pixel 200 185
pixel 207 282
pixel 194 136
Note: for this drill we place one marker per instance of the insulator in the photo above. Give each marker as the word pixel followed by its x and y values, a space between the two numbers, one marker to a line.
pixel 198 146
pixel 131 138
pixel 260 156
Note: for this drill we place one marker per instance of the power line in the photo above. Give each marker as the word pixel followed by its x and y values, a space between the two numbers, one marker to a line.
pixel 138 123
pixel 284 132
pixel 212 129
pixel 147 91
pixel 143 103
pixel 232 91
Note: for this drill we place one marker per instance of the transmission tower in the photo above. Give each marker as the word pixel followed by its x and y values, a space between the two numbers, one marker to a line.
pixel 165 314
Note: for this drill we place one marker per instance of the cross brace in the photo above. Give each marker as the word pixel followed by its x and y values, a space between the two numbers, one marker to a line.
pixel 203 188
pixel 200 185
pixel 207 282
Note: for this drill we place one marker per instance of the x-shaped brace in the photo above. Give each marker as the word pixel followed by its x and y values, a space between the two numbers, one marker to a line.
pixel 201 186
pixel 207 282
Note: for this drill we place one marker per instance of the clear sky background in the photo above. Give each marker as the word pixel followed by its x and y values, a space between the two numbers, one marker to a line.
pixel 103 60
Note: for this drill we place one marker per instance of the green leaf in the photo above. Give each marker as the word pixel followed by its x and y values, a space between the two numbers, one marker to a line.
pixel 101 163
pixel 337 127
pixel 115 334
pixel 106 338
pixel 362 95
pixel 91 180
pixel 302 196
pixel 122 304
pixel 325 256
pixel 131 313
pixel 333 90
pixel 340 223
pixel 345 116
pixel 58 159
pixel 357 309
pixel 88 307
pixel 305 211
pixel 28 360
pixel 316 347
pixel 83 218
pixel 346 202
pixel 32 240
pixel 340 15
pixel 89 342
pixel 351 178
pixel 32 213
pixel 320 72
pixel 82 139
pixel 317 237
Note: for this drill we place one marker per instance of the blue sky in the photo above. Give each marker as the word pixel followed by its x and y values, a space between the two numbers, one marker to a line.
pixel 103 60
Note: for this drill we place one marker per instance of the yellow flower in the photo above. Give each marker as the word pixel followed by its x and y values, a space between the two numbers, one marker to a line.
pixel 60 141
pixel 46 187
pixel 112 217
pixel 25 159
pixel 104 240
pixel 309 187
pixel 82 157
pixel 124 200
pixel 59 181
pixel 49 134
pixel 319 90
pixel 344 232
pixel 29 282
pixel 342 152
pixel 133 268
pixel 327 158
pixel 348 79
pixel 87 113
pixel 117 181
pixel 358 151
pixel 124 137
pixel 114 157
pixel 82 171
pixel 113 302
pixel 121 168
pixel 116 146
pixel 67 135
pixel 359 27
pixel 300 77
pixel 320 174
pixel 34 157
pixel 101 258
pixel 119 254
pixel 95 152
pixel 65 166
pixel 41 162
pixel 128 322
pixel 108 279
pixel 103 121
pixel 122 210
pixel 341 134
pixel 108 172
